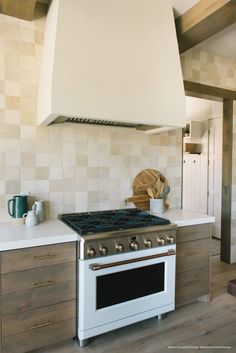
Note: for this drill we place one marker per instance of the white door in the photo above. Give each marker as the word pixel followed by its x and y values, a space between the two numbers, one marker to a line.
pixel 215 173
pixel 192 182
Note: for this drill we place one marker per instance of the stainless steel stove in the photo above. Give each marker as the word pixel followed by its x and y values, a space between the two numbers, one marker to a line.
pixel 126 268
pixel 118 231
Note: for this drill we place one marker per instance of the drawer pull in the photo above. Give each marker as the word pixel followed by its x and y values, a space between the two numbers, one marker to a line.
pixel 42 284
pixel 42 325
pixel 96 267
pixel 44 257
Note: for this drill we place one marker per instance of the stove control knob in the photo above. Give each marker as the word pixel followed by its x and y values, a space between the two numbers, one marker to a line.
pixel 91 252
pixel 103 250
pixel 119 248
pixel 170 240
pixel 134 245
pixel 148 243
pixel 161 241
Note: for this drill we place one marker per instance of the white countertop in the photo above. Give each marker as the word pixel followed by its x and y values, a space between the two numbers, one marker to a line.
pixel 13 236
pixel 185 218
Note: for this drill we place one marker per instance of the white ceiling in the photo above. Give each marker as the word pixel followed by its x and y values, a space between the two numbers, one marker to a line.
pixel 222 44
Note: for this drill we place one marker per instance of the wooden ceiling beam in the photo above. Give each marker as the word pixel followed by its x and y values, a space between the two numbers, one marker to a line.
pixel 203 20
pixel 23 9
pixel 198 90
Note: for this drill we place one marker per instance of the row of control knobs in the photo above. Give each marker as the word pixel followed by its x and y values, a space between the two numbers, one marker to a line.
pixel 134 245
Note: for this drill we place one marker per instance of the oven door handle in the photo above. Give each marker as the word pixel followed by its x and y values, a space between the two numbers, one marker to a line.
pixel 96 267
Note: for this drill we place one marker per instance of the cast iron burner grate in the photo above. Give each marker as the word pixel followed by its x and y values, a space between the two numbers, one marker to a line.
pixel 106 221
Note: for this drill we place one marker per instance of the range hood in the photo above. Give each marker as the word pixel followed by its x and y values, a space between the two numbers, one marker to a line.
pixel 113 61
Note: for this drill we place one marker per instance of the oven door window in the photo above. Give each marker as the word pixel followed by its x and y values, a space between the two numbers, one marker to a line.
pixel 132 284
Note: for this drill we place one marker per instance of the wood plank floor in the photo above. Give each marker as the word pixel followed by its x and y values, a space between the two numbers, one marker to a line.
pixel 193 326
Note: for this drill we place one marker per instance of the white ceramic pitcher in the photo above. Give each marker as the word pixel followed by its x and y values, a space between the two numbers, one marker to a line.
pixel 31 219
pixel 39 210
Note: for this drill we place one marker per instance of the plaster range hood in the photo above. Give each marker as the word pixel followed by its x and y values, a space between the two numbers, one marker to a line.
pixel 112 61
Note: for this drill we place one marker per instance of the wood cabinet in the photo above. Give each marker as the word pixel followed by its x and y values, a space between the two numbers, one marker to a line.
pixel 38 297
pixel 192 263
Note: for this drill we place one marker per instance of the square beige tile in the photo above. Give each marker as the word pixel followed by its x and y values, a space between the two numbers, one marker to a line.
pixel 12 102
pixel 2 87
pixel 13 187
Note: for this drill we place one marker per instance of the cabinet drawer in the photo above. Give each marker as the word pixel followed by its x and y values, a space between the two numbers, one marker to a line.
pixel 190 233
pixel 192 255
pixel 19 302
pixel 17 260
pixel 187 294
pixel 39 337
pixel 189 278
pixel 30 320
pixel 38 277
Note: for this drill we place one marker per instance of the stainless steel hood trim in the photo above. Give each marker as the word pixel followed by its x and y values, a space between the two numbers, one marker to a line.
pixel 90 121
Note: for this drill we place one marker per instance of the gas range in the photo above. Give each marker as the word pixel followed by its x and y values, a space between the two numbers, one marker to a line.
pixel 112 232
pixel 126 268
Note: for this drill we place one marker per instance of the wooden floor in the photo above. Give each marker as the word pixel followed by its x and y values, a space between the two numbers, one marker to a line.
pixel 193 326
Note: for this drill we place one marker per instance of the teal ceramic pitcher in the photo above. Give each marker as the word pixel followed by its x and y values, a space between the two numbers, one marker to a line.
pixel 18 206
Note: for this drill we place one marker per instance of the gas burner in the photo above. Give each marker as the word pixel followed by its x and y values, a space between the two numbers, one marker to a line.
pixel 113 220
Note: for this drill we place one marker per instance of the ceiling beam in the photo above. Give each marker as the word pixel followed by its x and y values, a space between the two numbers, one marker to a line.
pixel 203 20
pixel 198 90
pixel 23 9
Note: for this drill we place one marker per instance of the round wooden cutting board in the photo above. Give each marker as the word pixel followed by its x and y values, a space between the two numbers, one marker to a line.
pixel 147 179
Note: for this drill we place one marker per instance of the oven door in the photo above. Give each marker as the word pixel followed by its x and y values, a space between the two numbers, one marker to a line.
pixel 120 286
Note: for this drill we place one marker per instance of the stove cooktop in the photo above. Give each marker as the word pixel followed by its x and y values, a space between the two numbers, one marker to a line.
pixel 106 221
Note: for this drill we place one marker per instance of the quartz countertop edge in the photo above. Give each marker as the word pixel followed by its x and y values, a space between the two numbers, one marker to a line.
pixel 183 218
pixel 13 236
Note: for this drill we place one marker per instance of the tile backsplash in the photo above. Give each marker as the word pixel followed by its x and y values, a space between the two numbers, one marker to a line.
pixel 207 68
pixel 72 167
pixel 80 168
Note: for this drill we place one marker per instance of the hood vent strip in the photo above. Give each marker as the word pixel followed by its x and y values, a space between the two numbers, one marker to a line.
pixel 100 122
